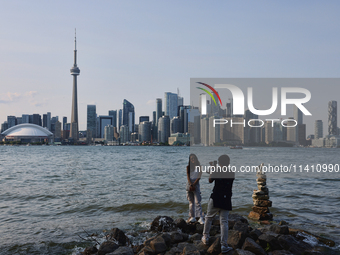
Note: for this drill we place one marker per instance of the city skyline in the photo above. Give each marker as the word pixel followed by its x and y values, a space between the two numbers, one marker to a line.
pixel 141 51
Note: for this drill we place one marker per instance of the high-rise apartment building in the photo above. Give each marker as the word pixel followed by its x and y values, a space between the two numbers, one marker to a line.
pixel 159 110
pixel 25 118
pixel 113 113
pixel 318 129
pixel 144 131
pixel 91 126
pixel 129 115
pixel 108 133
pixel 143 118
pixel 163 129
pixel 170 104
pixel 332 118
pixel 175 125
pixel 124 134
pixel 103 122
pixel 11 121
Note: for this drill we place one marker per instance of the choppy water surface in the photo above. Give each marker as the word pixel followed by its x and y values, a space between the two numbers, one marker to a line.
pixel 50 194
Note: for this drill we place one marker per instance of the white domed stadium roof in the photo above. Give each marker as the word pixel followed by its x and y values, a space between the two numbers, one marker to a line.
pixel 27 130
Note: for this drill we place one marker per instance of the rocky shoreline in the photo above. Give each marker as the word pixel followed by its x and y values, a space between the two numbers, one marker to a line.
pixel 176 237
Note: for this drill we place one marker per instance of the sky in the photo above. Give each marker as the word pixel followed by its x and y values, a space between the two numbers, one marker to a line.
pixel 137 50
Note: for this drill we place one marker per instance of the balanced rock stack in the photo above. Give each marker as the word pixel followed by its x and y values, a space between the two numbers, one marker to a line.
pixel 261 198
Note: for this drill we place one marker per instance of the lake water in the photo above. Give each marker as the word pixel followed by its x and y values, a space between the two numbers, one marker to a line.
pixel 50 194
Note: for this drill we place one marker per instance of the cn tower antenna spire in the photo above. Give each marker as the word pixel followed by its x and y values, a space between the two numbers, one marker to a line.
pixel 75 39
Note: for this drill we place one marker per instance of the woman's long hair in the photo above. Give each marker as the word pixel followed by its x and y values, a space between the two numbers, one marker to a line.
pixel 193 165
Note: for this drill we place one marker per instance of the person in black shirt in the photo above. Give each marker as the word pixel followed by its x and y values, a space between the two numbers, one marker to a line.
pixel 220 200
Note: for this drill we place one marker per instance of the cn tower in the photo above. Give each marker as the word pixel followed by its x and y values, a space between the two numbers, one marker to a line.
pixel 74 114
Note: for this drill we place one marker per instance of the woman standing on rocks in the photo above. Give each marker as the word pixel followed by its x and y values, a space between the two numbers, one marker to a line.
pixel 193 190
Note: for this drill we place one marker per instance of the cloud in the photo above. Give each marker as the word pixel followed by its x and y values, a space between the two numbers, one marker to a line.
pixel 31 93
pixel 151 102
pixel 8 97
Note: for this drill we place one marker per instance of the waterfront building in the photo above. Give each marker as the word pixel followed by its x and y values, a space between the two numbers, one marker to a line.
pixel 332 118
pixel 64 122
pixel 103 122
pixel 27 133
pixel 291 131
pixel 36 119
pixel 25 118
pixel 57 132
pixel 48 121
pixel 170 104
pixel 108 133
pixel 120 118
pixel 205 131
pixel 175 125
pixel 129 115
pixel 124 134
pixel 144 131
pixel 143 118
pixel 163 129
pixel 11 121
pixel 113 113
pixel 44 120
pixel 91 126
pixel 159 111
pixel 214 132
pixel 74 129
pixel 179 138
pixel 4 126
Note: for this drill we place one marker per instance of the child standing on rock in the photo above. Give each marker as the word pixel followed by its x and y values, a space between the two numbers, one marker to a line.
pixel 193 190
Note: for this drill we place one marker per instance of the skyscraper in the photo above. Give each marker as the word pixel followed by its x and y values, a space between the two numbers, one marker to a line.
pixel 318 129
pixel 170 104
pixel 163 129
pixel 159 110
pixel 74 113
pixel 120 118
pixel 129 115
pixel 91 121
pixel 332 118
pixel 114 116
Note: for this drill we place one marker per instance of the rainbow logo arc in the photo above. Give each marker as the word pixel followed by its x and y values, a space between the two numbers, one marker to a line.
pixel 209 93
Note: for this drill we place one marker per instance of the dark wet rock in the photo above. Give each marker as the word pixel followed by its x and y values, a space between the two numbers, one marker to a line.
pixel 257 216
pixel 167 238
pixel 260 209
pixel 163 224
pixel 176 237
pixel 215 248
pixel 235 239
pixel 147 251
pixel 190 249
pixel 290 243
pixel 180 223
pixel 123 250
pixel 202 247
pixel 233 218
pixel 254 234
pixel 242 227
pixel 137 248
pixel 90 250
pixel 283 223
pixel 119 236
pixel 199 228
pixel 196 236
pixel 242 252
pixel 190 228
pixel 158 244
pixel 284 230
pixel 174 251
pixel 263 203
pixel 280 252
pixel 107 247
pixel 269 239
pixel 251 245
pixel 148 241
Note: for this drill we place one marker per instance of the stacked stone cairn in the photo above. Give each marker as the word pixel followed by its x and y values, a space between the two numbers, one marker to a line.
pixel 260 197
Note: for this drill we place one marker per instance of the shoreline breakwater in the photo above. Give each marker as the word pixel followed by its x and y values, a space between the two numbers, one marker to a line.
pixel 176 237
